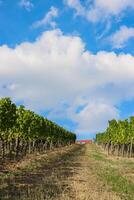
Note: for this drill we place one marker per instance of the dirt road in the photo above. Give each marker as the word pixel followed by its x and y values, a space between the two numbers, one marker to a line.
pixel 71 173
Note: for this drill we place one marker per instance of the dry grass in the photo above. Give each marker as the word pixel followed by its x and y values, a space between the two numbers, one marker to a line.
pixel 91 188
pixel 71 173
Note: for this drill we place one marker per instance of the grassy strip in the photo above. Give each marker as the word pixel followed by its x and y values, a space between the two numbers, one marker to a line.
pixel 98 157
pixel 105 169
pixel 119 184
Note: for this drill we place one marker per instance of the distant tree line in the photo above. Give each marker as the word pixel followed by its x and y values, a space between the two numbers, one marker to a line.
pixel 118 138
pixel 22 131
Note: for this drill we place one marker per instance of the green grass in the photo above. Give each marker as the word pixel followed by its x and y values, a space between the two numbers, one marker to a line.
pixel 119 183
pixel 98 157
pixel 109 171
pixel 6 176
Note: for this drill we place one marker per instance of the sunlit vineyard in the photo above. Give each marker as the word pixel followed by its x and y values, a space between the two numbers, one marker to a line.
pixel 22 131
pixel 118 138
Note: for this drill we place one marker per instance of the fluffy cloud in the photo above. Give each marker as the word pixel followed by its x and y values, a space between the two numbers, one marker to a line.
pixel 94 117
pixel 120 37
pixel 26 4
pixel 56 72
pixel 97 10
pixel 48 19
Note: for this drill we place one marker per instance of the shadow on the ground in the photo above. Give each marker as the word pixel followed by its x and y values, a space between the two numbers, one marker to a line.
pixel 48 181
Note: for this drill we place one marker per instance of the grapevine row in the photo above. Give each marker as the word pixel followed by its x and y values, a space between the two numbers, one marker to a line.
pixel 118 138
pixel 22 131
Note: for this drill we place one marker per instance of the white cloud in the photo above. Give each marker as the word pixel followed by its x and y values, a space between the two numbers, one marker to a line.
pixel 56 72
pixel 26 4
pixel 48 19
pixel 113 7
pixel 120 37
pixel 76 4
pixel 94 117
pixel 97 10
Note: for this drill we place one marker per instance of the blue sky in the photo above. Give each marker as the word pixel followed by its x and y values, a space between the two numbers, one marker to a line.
pixel 69 60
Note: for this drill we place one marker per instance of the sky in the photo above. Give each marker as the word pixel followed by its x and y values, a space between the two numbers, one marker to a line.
pixel 71 61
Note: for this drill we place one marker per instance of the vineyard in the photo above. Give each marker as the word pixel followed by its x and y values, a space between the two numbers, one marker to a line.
pixel 23 132
pixel 74 172
pixel 40 160
pixel 118 138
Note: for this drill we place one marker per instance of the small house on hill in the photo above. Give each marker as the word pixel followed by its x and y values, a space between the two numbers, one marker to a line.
pixel 83 141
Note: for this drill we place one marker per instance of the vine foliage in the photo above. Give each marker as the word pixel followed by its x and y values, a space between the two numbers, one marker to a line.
pixel 22 131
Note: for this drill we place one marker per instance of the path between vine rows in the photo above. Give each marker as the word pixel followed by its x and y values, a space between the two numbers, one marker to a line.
pixel 65 174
